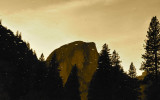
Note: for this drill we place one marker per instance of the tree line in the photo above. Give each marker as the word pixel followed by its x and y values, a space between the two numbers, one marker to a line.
pixel 110 82
pixel 25 77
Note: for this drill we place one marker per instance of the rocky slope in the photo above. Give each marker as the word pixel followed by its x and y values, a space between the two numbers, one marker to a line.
pixel 84 55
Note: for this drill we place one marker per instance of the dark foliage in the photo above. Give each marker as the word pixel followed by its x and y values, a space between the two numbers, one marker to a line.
pixel 152 47
pixel 151 61
pixel 132 71
pixel 99 88
pixel 22 75
pixel 115 60
pixel 54 84
pixel 110 83
pixel 152 87
pixel 72 86
pixel 16 64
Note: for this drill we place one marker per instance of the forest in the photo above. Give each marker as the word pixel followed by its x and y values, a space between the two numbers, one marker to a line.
pixel 24 76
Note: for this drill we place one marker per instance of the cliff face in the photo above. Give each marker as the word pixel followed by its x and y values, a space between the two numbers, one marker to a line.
pixel 84 55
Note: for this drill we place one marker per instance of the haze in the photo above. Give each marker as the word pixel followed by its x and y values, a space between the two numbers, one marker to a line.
pixel 49 24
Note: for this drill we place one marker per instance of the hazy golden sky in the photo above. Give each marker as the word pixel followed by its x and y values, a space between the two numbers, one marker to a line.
pixel 48 24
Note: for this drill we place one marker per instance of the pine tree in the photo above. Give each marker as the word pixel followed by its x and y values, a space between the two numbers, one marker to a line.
pixel 41 58
pixel 100 86
pixel 104 59
pixel 54 85
pixel 151 57
pixel 72 86
pixel 108 83
pixel 132 71
pixel 17 80
pixel 115 60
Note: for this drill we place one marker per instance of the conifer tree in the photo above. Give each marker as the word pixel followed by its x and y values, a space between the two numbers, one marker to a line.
pixel 20 60
pixel 151 57
pixel 72 86
pixel 132 71
pixel 108 83
pixel 41 58
pixel 115 60
pixel 104 59
pixel 100 87
pixel 54 84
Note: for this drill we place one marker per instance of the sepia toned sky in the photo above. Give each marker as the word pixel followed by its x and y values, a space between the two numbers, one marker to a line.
pixel 48 24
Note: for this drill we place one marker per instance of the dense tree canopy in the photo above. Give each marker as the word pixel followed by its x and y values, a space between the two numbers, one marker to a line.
pixel 108 83
pixel 17 61
pixel 22 75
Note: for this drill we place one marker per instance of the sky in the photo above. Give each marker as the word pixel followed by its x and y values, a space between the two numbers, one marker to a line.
pixel 49 24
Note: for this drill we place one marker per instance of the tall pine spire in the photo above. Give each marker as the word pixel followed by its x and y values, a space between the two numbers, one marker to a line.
pixel 104 59
pixel 152 47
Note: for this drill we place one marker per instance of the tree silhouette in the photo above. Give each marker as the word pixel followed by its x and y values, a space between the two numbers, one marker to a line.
pixel 54 84
pixel 72 86
pixel 19 60
pixel 41 58
pixel 104 59
pixel 108 83
pixel 115 60
pixel 132 71
pixel 152 47
pixel 99 88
